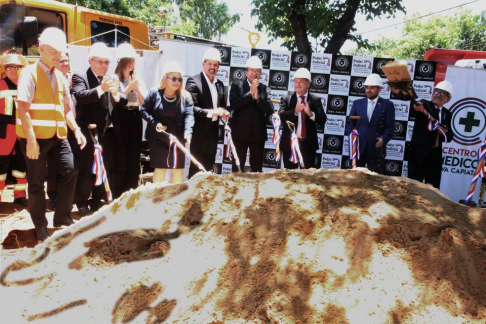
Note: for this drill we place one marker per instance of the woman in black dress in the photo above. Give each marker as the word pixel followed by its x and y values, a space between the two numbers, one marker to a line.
pixel 169 109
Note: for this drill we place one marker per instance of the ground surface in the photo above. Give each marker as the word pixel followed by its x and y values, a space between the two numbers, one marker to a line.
pixel 326 246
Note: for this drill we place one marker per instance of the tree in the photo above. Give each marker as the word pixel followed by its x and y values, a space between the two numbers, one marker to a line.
pixel 330 22
pixel 463 30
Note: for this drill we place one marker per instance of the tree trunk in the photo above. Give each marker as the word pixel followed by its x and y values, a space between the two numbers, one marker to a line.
pixel 299 27
pixel 344 25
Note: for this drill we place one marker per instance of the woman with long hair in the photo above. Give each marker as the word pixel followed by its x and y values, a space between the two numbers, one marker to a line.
pixel 129 116
pixel 168 109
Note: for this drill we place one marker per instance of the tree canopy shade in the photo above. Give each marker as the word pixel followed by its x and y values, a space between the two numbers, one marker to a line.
pixel 463 30
pixel 329 22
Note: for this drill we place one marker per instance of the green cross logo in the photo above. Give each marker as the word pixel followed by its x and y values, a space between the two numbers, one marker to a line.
pixel 469 122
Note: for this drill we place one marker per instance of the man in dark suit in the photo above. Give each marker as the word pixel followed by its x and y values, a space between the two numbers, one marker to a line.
pixel 96 96
pixel 305 111
pixel 251 108
pixel 425 155
pixel 209 104
pixel 376 126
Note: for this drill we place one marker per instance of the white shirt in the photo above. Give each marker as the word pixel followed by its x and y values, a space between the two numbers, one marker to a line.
pixel 371 107
pixel 214 96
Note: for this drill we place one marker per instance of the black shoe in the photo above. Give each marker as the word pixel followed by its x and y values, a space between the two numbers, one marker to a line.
pixel 42 233
pixel 83 211
pixel 21 201
pixel 95 205
pixel 66 222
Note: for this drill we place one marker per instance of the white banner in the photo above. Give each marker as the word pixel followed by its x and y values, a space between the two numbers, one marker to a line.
pixel 468 107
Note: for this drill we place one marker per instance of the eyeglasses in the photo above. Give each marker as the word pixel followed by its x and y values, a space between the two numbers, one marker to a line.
pixel 101 62
pixel 67 61
pixel 11 68
pixel 254 71
pixel 440 93
pixel 174 79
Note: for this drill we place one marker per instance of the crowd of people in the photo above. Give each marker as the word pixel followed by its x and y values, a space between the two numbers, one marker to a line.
pixel 48 113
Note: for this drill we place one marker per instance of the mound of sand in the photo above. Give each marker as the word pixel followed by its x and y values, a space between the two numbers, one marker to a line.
pixel 318 246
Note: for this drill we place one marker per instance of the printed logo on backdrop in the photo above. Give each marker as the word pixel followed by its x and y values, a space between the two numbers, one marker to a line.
pixel 320 142
pixel 346 145
pixel 300 60
pixel 321 63
pixel 401 109
pixel 239 56
pixel 337 105
pixel 339 84
pixel 400 130
pixel 405 169
pixel 320 83
pixel 425 70
pixel 410 130
pixel 351 100
pixel 290 87
pixel 237 74
pixel 347 163
pixel 378 63
pixel 362 66
pixel 217 168
pixel 268 142
pixel 277 95
pixel 223 75
pixel 269 158
pixel 385 90
pixel 393 168
pixel 468 121
pixel 264 76
pixel 330 161
pixel 278 80
pixel 357 86
pixel 227 169
pixel 395 150
pixel 335 125
pixel 423 89
pixel 263 55
pixel 226 159
pixel 280 60
pixel 225 52
pixel 332 144
pixel 219 153
pixel 341 64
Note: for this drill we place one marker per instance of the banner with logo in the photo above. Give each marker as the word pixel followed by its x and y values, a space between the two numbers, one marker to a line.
pixel 468 107
pixel 338 80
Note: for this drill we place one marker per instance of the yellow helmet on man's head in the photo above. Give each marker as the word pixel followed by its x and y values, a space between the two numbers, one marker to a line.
pixel 13 57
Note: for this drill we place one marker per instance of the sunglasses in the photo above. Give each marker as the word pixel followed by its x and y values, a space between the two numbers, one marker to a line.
pixel 11 68
pixel 174 79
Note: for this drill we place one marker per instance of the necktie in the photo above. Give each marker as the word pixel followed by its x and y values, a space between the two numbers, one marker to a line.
pixel 371 106
pixel 100 79
pixel 303 115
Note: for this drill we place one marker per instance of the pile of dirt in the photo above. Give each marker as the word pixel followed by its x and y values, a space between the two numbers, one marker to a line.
pixel 317 246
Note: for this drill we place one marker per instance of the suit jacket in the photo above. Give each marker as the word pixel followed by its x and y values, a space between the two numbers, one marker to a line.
pixel 287 113
pixel 91 109
pixel 198 87
pixel 382 123
pixel 423 139
pixel 248 116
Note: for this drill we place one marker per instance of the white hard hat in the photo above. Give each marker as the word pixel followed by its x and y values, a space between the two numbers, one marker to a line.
pixel 373 80
pixel 302 73
pixel 99 50
pixel 125 50
pixel 446 86
pixel 212 54
pixel 54 37
pixel 13 57
pixel 173 67
pixel 254 62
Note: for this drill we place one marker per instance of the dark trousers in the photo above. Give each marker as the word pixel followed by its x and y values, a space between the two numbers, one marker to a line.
pixel 308 154
pixel 131 146
pixel 52 175
pixel 203 150
pixel 428 169
pixel 61 155
pixel 114 161
pixel 85 184
pixel 373 159
pixel 256 153
pixel 16 161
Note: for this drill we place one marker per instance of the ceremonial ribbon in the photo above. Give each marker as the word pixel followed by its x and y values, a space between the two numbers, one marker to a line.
pixel 354 147
pixel 277 134
pixel 296 156
pixel 98 169
pixel 230 146
pixel 434 124
pixel 479 173
pixel 173 140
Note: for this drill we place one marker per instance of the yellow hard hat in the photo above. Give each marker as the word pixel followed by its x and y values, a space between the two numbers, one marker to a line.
pixel 13 57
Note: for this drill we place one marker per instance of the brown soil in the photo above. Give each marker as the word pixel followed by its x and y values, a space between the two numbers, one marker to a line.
pixel 318 246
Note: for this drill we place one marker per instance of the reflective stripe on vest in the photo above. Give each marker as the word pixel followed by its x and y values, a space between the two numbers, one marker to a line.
pixel 47 109
pixel 8 96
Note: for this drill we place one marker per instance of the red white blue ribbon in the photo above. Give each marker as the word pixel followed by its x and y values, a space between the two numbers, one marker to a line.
pixel 479 173
pixel 98 169
pixel 277 135
pixel 230 146
pixel 173 146
pixel 434 124
pixel 296 156
pixel 354 147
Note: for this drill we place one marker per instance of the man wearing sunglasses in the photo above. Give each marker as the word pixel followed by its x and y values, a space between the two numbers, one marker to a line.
pixel 432 128
pixel 96 97
pixel 209 104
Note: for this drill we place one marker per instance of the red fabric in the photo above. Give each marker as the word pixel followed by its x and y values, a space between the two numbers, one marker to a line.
pixel 6 144
pixel 20 193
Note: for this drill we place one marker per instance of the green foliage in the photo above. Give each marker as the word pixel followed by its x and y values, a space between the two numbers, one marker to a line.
pixel 463 30
pixel 322 17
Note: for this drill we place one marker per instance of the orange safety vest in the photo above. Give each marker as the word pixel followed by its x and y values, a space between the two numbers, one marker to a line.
pixel 6 108
pixel 46 109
